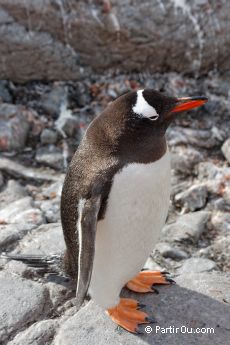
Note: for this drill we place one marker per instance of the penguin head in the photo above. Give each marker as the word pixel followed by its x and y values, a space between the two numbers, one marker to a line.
pixel 137 120
pixel 153 108
pixel 150 111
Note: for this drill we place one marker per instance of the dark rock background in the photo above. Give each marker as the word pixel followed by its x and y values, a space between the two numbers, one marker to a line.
pixel 68 39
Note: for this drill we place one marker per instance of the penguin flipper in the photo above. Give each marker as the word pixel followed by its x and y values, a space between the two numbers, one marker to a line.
pixel 88 210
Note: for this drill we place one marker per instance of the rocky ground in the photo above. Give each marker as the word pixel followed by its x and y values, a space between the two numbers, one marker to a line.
pixel 40 128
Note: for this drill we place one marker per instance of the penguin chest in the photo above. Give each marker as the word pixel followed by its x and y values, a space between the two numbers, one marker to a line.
pixel 137 205
pixel 136 211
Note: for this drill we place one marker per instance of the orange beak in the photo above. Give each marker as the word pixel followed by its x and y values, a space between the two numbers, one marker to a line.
pixel 187 103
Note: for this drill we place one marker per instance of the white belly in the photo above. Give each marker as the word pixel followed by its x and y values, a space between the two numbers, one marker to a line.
pixel 136 211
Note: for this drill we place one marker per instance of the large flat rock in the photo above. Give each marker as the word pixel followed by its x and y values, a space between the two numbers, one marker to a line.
pixel 189 226
pixel 32 174
pixel 53 39
pixel 198 301
pixel 9 233
pixel 39 333
pixel 46 239
pixel 22 302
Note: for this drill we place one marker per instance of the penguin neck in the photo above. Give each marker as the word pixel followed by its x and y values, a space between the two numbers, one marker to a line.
pixel 147 151
pixel 137 146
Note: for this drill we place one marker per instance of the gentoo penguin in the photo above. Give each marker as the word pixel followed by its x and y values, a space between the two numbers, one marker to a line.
pixel 115 201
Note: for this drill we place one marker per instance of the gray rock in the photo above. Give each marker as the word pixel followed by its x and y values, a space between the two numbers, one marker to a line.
pixel 21 211
pixel 197 137
pixel 22 302
pixel 9 233
pixel 51 205
pixel 15 207
pixel 47 239
pixel 178 187
pixel 50 156
pixel 193 198
pixel 187 227
pixel 17 267
pixel 5 96
pixel 200 2
pixel 198 300
pixel 69 308
pixel 197 265
pixel 215 186
pixel 168 251
pixel 39 333
pixel 68 125
pixel 226 193
pixel 60 51
pixel 213 176
pixel 218 133
pixel 12 192
pixel 184 159
pixel 60 291
pixel 53 190
pixel 221 221
pixel 226 149
pixel 81 94
pixel 51 210
pixel 19 170
pixel 14 127
pixel 220 252
pixel 152 265
pixel 31 216
pixel 48 136
pixel 1 180
pixel 203 252
pixel 220 87
pixel 51 101
pixel 219 205
pixel 210 171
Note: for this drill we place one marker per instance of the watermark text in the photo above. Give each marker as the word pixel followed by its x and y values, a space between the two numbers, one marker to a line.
pixel 182 329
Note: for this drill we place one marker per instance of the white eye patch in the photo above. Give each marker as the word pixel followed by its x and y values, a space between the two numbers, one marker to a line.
pixel 143 108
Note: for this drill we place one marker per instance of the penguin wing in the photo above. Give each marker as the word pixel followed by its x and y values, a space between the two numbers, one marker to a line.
pixel 86 227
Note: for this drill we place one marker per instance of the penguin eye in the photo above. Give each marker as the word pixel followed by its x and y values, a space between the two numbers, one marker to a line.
pixel 154 118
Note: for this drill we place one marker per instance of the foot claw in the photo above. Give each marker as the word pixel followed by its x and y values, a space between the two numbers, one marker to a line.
pixel 155 290
pixel 141 305
pixel 164 273
pixel 170 280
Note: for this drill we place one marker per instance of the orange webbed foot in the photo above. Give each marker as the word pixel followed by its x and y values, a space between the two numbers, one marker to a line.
pixel 127 315
pixel 145 281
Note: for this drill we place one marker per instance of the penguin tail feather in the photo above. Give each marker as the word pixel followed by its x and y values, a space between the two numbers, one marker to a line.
pixel 47 263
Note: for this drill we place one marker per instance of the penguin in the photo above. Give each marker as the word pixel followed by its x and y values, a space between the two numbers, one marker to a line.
pixel 115 201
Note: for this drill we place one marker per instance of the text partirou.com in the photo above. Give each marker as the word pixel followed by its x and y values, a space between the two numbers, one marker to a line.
pixel 182 329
